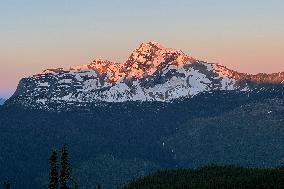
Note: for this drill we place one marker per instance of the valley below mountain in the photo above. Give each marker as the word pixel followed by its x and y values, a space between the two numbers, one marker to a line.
pixel 116 142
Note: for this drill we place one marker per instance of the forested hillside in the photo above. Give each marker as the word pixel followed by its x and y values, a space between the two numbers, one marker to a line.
pixel 114 142
pixel 211 177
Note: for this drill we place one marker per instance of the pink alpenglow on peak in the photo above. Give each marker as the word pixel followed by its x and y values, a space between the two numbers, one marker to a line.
pixel 150 56
pixel 114 71
pixel 143 61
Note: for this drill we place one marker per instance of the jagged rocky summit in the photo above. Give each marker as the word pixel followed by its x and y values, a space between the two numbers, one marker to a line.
pixel 151 73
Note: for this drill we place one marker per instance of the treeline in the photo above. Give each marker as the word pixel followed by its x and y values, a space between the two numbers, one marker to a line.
pixel 211 177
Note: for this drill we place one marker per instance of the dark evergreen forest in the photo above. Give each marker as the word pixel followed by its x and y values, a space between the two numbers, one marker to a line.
pixel 112 143
pixel 211 177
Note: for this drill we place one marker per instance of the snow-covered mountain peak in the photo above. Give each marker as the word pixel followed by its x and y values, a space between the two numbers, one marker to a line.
pixel 149 45
pixel 143 61
pixel 151 56
pixel 151 73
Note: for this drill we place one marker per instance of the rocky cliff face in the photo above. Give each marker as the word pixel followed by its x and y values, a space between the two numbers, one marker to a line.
pixel 151 73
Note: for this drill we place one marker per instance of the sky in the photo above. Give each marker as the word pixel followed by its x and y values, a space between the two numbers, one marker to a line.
pixel 244 35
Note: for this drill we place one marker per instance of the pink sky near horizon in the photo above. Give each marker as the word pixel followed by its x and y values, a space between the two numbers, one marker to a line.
pixel 244 36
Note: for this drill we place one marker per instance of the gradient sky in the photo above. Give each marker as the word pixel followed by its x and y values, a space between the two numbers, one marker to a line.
pixel 245 35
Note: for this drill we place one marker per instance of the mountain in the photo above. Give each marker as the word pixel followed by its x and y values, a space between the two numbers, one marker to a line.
pixel 2 101
pixel 151 73
pixel 161 109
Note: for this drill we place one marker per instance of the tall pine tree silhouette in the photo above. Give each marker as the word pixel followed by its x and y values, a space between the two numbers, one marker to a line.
pixel 282 177
pixel 7 184
pixel 76 186
pixel 53 174
pixel 65 173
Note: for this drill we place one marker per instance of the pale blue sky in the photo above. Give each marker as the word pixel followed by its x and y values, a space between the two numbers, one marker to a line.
pixel 245 35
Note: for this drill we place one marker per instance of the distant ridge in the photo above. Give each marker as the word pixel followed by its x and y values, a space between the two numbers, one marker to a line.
pixel 2 101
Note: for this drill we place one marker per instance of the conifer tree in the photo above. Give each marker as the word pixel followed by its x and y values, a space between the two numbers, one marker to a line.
pixel 99 186
pixel 7 184
pixel 76 186
pixel 65 172
pixel 53 174
pixel 282 177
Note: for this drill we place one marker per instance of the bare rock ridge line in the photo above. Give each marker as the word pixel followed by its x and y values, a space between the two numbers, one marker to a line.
pixel 151 73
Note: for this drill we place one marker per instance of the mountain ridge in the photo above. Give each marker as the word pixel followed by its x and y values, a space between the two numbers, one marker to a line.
pixel 151 73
